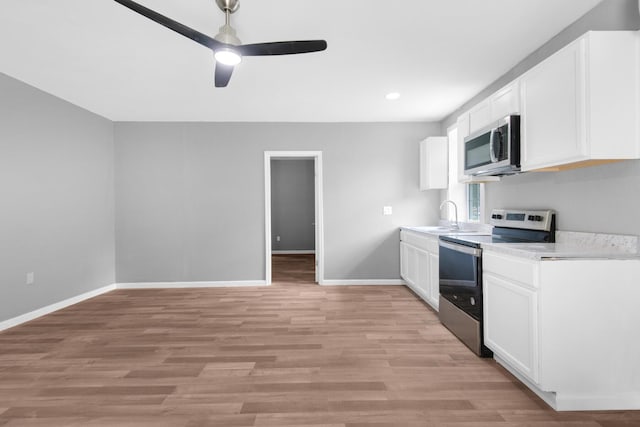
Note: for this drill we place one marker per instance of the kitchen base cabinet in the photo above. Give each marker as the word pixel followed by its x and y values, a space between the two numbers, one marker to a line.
pixel 567 328
pixel 434 279
pixel 419 265
pixel 511 323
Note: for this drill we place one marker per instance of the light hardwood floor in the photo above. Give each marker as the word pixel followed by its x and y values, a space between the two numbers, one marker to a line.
pixel 293 354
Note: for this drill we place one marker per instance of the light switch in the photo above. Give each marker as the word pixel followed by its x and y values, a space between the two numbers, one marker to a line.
pixel 30 278
pixel 387 210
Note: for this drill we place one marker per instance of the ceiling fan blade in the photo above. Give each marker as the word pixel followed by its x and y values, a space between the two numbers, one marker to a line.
pixel 223 74
pixel 179 28
pixel 282 48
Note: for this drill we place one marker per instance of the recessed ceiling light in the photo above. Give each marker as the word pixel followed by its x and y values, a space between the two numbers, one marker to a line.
pixel 392 96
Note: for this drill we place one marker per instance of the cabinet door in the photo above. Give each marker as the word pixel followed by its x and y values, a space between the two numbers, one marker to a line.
pixel 404 260
pixel 480 116
pixel 423 278
pixel 511 324
pixel 463 132
pixel 434 161
pixel 506 101
pixel 434 285
pixel 553 110
pixel 410 260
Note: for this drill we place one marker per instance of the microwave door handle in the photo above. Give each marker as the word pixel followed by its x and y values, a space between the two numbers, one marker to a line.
pixel 492 154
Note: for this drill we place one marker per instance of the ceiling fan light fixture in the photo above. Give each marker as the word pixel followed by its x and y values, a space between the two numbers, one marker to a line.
pixel 227 56
pixel 392 96
pixel 227 48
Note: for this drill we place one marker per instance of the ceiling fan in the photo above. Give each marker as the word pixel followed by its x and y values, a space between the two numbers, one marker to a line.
pixel 227 48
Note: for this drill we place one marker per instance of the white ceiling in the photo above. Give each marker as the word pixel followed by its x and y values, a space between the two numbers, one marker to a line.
pixel 436 53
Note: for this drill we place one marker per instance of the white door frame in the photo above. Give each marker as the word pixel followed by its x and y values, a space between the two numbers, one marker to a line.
pixel 319 229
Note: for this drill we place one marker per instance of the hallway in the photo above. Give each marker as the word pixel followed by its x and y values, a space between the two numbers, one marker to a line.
pixel 293 269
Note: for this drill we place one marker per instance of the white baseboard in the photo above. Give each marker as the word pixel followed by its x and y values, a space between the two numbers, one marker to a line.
pixel 15 321
pixel 300 252
pixel 181 285
pixel 587 401
pixel 10 323
pixel 366 282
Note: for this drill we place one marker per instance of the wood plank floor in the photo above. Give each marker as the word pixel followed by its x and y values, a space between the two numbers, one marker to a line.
pixel 293 354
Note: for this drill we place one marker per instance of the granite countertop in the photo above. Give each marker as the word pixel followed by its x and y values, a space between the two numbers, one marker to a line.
pixel 576 245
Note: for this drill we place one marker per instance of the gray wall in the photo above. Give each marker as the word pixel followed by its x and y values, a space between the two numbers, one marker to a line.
pixel 598 199
pixel 56 198
pixel 292 204
pixel 190 197
pixel 603 198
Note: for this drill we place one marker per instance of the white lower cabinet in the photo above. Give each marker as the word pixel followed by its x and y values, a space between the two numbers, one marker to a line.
pixel 404 261
pixel 434 281
pixel 419 265
pixel 567 328
pixel 511 323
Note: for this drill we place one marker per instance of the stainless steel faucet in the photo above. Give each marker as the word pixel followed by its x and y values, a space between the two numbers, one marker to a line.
pixel 455 210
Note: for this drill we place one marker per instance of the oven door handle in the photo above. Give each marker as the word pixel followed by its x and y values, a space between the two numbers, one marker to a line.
pixel 461 248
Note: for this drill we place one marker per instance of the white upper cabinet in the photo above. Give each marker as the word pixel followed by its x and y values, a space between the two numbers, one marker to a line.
pixel 480 116
pixel 506 101
pixel 503 103
pixel 580 106
pixel 463 132
pixel 434 162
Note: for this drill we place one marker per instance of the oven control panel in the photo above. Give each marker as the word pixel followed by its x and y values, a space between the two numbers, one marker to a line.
pixel 525 219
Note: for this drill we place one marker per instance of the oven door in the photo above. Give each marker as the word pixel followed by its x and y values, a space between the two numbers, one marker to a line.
pixel 461 277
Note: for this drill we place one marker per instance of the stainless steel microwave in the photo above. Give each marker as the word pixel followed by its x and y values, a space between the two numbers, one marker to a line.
pixel 494 150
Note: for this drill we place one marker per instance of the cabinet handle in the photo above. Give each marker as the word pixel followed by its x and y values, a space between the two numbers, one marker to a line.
pixel 460 248
pixel 492 154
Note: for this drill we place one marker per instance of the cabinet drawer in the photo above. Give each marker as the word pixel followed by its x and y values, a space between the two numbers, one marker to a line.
pixel 419 240
pixel 520 270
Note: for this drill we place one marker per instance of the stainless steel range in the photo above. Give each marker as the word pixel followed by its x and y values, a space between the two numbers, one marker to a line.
pixel 461 269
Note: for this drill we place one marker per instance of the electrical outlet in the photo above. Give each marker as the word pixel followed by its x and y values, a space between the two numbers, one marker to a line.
pixel 30 278
pixel 387 210
pixel 277 238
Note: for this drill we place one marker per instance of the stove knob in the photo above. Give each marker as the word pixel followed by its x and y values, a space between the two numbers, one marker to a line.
pixel 498 216
pixel 531 218
pixel 538 218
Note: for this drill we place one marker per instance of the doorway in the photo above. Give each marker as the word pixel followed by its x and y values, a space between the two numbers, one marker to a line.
pixel 301 253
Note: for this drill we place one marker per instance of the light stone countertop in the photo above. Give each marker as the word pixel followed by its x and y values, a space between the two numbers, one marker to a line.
pixel 444 227
pixel 569 244
pixel 576 245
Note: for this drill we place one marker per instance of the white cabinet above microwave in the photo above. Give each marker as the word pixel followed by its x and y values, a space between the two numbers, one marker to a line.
pixel 580 106
pixel 504 102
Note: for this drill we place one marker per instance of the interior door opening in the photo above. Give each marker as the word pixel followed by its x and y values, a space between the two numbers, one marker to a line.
pixel 293 217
